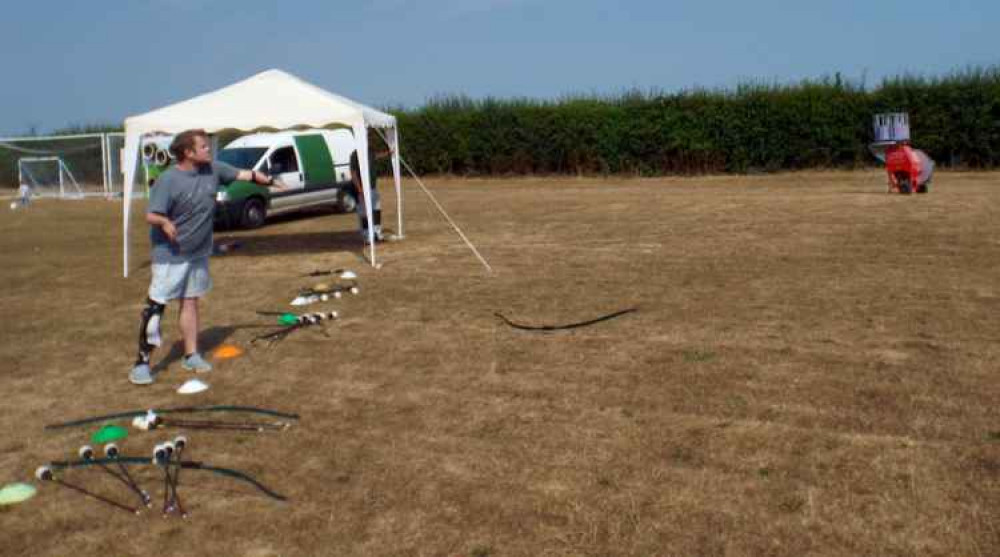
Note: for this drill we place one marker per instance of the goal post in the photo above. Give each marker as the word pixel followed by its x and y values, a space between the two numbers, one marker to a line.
pixel 114 151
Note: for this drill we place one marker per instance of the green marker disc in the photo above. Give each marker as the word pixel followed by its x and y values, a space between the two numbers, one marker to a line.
pixel 109 433
pixel 16 493
pixel 288 319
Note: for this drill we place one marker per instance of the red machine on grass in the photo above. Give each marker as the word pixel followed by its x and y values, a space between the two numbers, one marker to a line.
pixel 909 169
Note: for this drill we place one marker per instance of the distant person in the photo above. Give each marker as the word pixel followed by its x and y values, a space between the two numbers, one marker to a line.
pixel 24 195
pixel 180 214
pixel 359 194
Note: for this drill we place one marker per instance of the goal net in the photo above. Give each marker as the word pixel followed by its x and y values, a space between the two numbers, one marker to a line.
pixel 65 166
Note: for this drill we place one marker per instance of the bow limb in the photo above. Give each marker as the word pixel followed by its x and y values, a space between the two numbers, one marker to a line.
pixel 175 409
pixel 237 475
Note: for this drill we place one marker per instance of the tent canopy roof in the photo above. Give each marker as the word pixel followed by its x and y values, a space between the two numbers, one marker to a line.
pixel 272 100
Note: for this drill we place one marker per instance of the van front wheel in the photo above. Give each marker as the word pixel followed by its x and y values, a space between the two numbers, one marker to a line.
pixel 345 202
pixel 253 214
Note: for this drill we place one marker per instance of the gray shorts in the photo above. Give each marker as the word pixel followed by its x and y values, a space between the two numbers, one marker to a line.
pixel 179 280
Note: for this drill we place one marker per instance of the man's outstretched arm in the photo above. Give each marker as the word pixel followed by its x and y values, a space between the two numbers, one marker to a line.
pixel 260 178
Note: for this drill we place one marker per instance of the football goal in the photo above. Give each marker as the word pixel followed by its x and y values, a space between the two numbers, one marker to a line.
pixel 64 166
pixel 48 177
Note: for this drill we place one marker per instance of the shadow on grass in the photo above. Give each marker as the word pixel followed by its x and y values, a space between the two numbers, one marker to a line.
pixel 260 243
pixel 295 243
pixel 225 224
pixel 284 244
pixel 208 340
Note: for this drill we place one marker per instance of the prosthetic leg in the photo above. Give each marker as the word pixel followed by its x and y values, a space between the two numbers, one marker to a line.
pixel 149 330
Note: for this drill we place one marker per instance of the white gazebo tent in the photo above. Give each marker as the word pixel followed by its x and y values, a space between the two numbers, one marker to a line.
pixel 271 100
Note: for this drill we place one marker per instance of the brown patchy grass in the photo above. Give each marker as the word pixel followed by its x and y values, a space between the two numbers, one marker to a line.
pixel 813 371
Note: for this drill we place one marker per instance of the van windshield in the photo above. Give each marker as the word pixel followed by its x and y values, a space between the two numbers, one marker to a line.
pixel 243 158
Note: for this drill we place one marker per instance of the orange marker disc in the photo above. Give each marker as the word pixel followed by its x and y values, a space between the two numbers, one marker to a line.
pixel 227 351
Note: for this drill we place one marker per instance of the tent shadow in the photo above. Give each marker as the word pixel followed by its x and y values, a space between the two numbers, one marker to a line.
pixel 306 213
pixel 223 224
pixel 297 243
pixel 284 244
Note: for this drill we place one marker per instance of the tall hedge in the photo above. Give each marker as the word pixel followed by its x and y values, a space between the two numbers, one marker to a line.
pixel 815 124
pixel 822 123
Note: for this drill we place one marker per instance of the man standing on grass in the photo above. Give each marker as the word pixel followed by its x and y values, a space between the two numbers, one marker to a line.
pixel 181 213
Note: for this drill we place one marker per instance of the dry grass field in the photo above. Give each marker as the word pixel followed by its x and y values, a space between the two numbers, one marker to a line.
pixel 812 371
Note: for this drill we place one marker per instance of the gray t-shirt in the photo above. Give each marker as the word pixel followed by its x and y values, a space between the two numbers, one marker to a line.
pixel 187 198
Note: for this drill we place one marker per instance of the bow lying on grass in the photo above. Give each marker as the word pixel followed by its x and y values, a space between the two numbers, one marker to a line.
pixel 176 409
pixel 187 464
pixel 564 327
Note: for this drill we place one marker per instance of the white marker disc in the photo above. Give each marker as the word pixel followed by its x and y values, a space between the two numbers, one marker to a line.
pixel 192 386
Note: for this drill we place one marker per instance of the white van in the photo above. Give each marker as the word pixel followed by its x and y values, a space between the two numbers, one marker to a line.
pixel 313 164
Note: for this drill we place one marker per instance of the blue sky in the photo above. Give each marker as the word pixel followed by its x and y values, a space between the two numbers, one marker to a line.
pixel 75 62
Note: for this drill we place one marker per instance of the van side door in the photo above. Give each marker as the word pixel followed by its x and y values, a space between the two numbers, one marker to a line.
pixel 341 145
pixel 284 164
